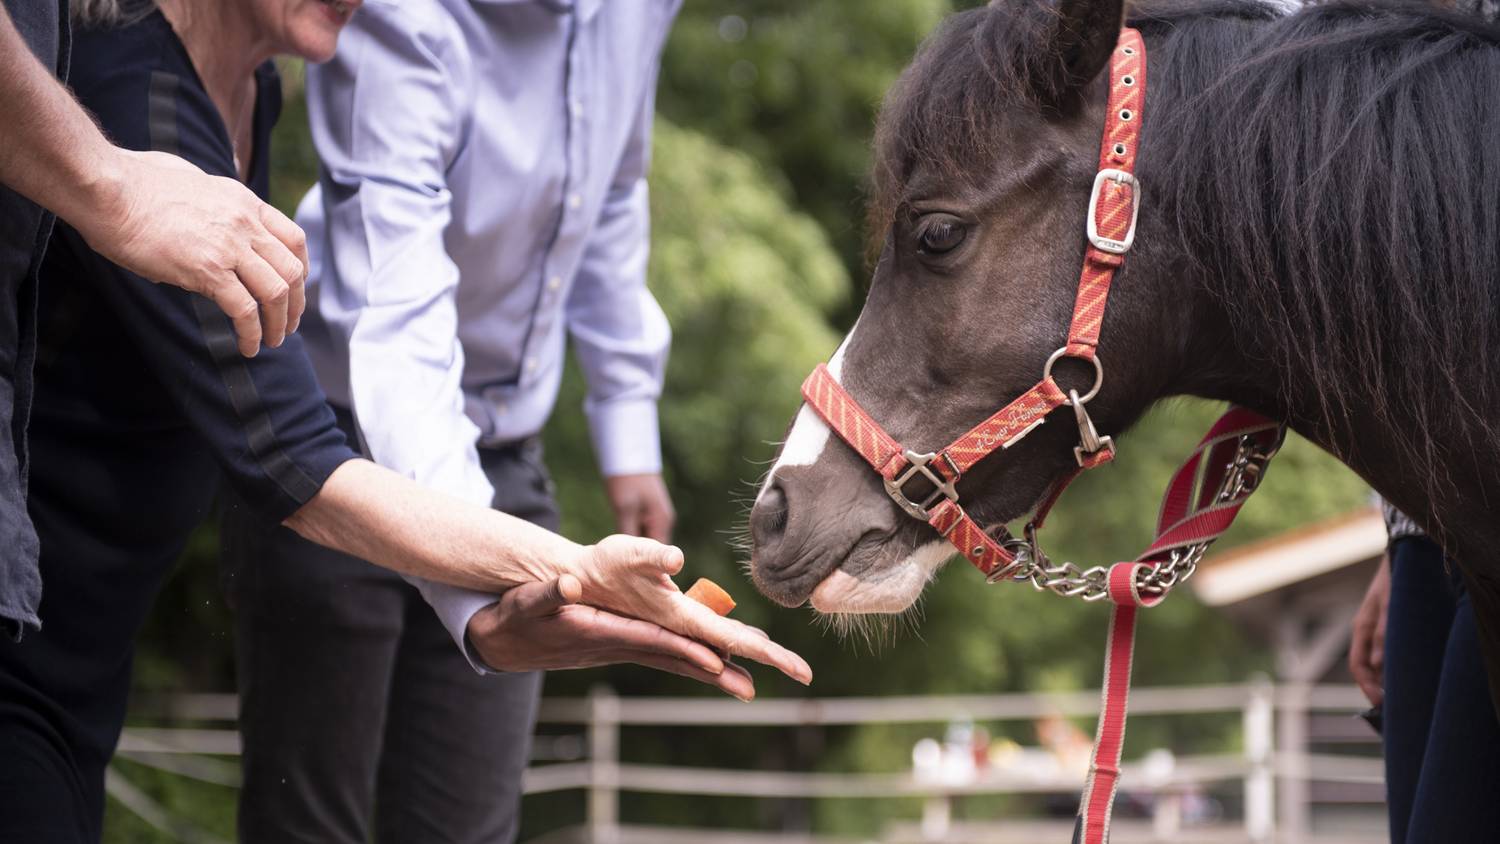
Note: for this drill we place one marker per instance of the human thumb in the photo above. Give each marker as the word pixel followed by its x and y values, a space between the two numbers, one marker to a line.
pixel 539 599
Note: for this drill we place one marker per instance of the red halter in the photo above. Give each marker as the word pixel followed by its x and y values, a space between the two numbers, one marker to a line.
pixel 1200 503
pixel 1111 231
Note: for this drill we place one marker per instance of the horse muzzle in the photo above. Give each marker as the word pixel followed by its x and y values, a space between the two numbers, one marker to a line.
pixel 810 522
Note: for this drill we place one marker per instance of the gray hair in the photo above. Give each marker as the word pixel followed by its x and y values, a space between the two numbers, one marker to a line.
pixel 109 12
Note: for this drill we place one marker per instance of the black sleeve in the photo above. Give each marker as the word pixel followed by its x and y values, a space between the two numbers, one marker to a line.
pixel 264 418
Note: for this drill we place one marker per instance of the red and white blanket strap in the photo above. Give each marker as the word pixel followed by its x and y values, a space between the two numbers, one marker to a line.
pixel 1192 513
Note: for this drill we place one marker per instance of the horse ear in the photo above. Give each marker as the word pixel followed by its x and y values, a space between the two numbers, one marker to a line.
pixel 1080 36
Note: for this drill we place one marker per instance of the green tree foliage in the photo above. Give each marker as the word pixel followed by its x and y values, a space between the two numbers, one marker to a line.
pixel 796 85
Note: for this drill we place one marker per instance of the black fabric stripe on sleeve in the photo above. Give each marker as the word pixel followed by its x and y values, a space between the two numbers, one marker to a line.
pixel 162 112
pixel 218 333
pixel 243 396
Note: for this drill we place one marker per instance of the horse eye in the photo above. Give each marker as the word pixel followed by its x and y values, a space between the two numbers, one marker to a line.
pixel 939 233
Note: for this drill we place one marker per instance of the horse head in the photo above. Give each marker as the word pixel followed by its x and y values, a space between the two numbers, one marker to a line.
pixel 986 154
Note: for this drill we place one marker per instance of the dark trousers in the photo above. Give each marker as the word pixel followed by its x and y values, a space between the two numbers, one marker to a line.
pixel 358 712
pixel 1442 742
pixel 98 500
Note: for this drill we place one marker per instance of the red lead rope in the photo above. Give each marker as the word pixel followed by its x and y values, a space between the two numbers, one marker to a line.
pixel 1196 508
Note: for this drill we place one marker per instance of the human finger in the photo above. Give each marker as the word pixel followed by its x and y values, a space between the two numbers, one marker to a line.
pixel 635 634
pixel 289 268
pixel 236 302
pixel 1377 643
pixel 703 624
pixel 1359 662
pixel 293 239
pixel 733 680
pixel 1372 690
pixel 657 520
pixel 535 600
pixel 628 520
pixel 268 288
pixel 644 555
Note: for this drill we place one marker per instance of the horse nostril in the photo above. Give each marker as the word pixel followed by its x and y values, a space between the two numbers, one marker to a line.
pixel 769 515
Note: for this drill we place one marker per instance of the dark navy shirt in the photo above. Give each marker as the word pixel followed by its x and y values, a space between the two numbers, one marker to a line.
pixel 141 391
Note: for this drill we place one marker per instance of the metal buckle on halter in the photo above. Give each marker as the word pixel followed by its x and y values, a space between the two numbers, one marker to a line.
pixel 918 466
pixel 1090 442
pixel 1026 551
pixel 1107 244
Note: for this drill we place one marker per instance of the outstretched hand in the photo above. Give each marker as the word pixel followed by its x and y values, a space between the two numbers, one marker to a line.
pixel 542 626
pixel 633 577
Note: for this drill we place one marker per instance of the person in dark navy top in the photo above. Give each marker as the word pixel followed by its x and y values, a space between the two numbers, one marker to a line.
pixel 145 210
pixel 143 402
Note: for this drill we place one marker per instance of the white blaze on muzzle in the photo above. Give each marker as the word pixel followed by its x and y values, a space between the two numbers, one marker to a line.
pixel 809 434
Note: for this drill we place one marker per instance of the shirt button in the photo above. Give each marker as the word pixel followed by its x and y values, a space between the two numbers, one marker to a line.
pixel 554 283
pixel 531 364
pixel 575 201
pixel 576 107
pixel 502 408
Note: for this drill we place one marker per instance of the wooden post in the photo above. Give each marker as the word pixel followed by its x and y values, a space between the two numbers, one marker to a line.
pixel 1259 724
pixel 1293 798
pixel 603 822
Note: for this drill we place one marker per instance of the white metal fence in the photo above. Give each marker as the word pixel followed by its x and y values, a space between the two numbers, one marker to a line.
pixel 1276 772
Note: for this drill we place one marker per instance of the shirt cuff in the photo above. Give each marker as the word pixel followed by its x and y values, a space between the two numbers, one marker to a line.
pixel 627 438
pixel 455 606
pixel 1398 525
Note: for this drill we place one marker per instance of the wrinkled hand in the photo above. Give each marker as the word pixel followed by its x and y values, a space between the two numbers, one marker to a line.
pixel 542 626
pixel 1367 642
pixel 633 577
pixel 642 506
pixel 168 221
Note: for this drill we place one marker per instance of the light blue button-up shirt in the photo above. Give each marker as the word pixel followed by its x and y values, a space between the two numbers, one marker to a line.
pixel 483 200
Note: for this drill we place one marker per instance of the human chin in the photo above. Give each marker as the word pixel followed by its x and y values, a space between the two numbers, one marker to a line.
pixel 316 27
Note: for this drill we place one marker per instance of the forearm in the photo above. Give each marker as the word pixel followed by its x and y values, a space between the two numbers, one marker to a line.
pixel 375 514
pixel 50 150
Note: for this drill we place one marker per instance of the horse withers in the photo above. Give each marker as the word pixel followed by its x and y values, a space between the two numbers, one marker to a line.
pixel 1318 240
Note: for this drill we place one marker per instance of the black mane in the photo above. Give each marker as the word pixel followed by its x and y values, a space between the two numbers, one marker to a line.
pixel 1333 173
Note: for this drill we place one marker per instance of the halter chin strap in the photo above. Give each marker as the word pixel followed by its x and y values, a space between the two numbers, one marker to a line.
pixel 1201 501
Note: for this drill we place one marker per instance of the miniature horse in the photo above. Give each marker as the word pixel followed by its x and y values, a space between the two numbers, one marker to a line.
pixel 1318 240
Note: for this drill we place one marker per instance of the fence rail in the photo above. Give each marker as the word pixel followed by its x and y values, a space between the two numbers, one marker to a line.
pixel 1275 762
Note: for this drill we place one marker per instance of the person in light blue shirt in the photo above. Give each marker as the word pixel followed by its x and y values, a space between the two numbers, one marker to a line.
pixel 482 202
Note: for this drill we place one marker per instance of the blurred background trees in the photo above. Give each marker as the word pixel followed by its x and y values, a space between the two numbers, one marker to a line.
pixel 766 111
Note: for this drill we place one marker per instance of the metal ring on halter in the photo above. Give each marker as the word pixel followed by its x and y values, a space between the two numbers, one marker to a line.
pixel 1098 374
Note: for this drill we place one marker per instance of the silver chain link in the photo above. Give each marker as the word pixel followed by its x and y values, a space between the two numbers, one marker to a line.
pixel 1092 584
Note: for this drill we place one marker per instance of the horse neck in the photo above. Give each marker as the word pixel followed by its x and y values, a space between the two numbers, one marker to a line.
pixel 1364 436
pixel 1358 313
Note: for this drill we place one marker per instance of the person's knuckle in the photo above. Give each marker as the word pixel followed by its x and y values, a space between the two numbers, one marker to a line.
pixel 243 310
pixel 220 259
pixel 278 293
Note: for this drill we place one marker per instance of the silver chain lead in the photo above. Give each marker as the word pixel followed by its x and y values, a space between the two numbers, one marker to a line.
pixel 1032 565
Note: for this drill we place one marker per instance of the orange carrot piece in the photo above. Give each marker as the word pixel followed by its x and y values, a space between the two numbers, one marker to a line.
pixel 711 595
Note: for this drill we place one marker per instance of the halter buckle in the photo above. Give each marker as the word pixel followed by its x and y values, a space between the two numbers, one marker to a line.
pixel 1027 552
pixel 918 465
pixel 1090 442
pixel 1109 244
